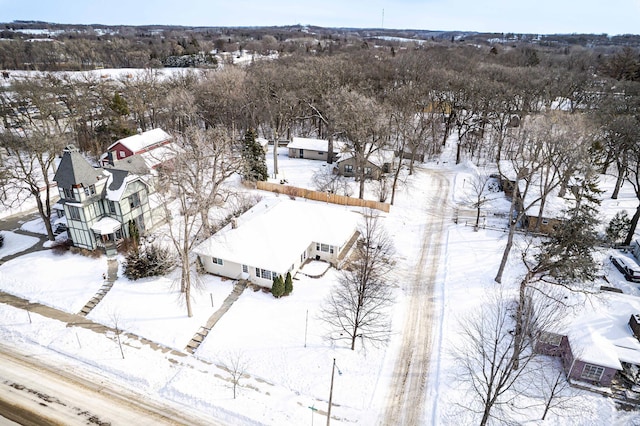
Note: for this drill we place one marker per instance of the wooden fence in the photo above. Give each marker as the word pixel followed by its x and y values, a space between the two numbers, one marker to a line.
pixel 321 196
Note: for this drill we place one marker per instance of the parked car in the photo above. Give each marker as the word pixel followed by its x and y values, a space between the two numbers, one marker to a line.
pixel 628 267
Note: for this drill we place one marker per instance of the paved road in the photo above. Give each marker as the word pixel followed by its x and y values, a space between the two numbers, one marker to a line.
pixel 32 392
pixel 406 397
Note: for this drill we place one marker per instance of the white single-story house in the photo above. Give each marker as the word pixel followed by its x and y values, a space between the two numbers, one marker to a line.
pixel 313 149
pixel 277 236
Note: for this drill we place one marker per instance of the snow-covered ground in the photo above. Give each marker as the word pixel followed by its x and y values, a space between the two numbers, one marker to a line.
pixel 280 342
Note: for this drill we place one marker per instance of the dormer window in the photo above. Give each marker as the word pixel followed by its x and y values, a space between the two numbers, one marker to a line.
pixel 90 190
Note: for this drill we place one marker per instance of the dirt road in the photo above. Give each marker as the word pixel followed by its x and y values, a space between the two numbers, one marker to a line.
pixel 406 397
pixel 31 392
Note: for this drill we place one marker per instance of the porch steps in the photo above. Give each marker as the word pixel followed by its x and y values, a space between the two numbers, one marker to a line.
pixel 202 332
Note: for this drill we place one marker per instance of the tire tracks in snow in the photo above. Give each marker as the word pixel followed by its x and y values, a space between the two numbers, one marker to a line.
pixel 406 396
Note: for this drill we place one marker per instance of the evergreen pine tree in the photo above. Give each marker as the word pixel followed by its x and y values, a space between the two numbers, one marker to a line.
pixel 288 284
pixel 618 227
pixel 277 289
pixel 134 232
pixel 255 163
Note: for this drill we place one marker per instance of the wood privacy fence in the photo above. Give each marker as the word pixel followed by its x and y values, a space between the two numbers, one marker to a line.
pixel 321 196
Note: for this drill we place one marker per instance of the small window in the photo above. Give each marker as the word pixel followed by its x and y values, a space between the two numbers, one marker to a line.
pixel 90 190
pixel 74 212
pixel 324 248
pixel 367 171
pixel 592 372
pixel 320 153
pixel 331 249
pixel 216 260
pixel 112 207
pixel 134 200
pixel 121 154
pixel 545 221
pixel 348 168
pixel 68 193
pixel 317 246
pixel 245 269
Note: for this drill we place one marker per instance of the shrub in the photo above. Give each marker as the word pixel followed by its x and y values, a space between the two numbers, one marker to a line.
pixel 288 284
pixel 148 261
pixel 277 289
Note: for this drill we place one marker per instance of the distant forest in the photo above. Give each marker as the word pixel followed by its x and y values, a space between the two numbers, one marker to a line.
pixel 30 45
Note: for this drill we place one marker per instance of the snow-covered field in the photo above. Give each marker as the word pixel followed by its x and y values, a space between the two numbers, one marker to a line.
pixel 281 342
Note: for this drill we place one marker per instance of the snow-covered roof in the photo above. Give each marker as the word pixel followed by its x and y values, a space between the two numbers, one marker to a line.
pixel 263 142
pixel 602 336
pixel 106 225
pixel 321 145
pixel 117 181
pixel 160 154
pixel 275 232
pixel 137 143
pixel 378 158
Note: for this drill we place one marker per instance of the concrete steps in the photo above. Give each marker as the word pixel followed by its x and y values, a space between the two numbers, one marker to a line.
pixel 202 332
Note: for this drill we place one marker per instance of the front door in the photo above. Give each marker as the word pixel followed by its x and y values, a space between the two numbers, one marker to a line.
pixel 302 153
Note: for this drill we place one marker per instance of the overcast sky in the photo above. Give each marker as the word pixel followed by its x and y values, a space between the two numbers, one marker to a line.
pixel 528 16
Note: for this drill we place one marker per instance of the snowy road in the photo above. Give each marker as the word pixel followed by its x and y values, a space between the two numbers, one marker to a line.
pixel 32 392
pixel 406 397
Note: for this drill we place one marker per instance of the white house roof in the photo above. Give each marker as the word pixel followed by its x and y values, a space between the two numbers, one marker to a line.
pixel 601 335
pixel 320 145
pixel 275 232
pixel 143 140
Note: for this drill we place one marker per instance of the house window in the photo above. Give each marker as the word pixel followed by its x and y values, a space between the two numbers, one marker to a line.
pixel 139 221
pixel 331 249
pixel 348 168
pixel 317 246
pixel 112 207
pixel 245 269
pixel 68 193
pixel 367 171
pixel 545 221
pixel 121 154
pixel 320 153
pixel 90 190
pixel 74 212
pixel 263 273
pixel 324 247
pixel 216 260
pixel 134 200
pixel 592 372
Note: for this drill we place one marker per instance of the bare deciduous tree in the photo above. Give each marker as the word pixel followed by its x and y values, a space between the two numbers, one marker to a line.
pixel 194 181
pixel 326 180
pixel 358 306
pixel 37 127
pixel 236 365
pixel 486 356
pixel 479 193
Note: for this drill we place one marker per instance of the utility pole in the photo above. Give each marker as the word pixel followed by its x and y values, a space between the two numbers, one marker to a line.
pixel 333 369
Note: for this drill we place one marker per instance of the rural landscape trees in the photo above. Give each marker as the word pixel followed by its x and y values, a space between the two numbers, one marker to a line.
pixel 539 116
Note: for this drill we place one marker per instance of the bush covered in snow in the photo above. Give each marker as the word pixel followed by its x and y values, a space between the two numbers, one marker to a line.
pixel 148 261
